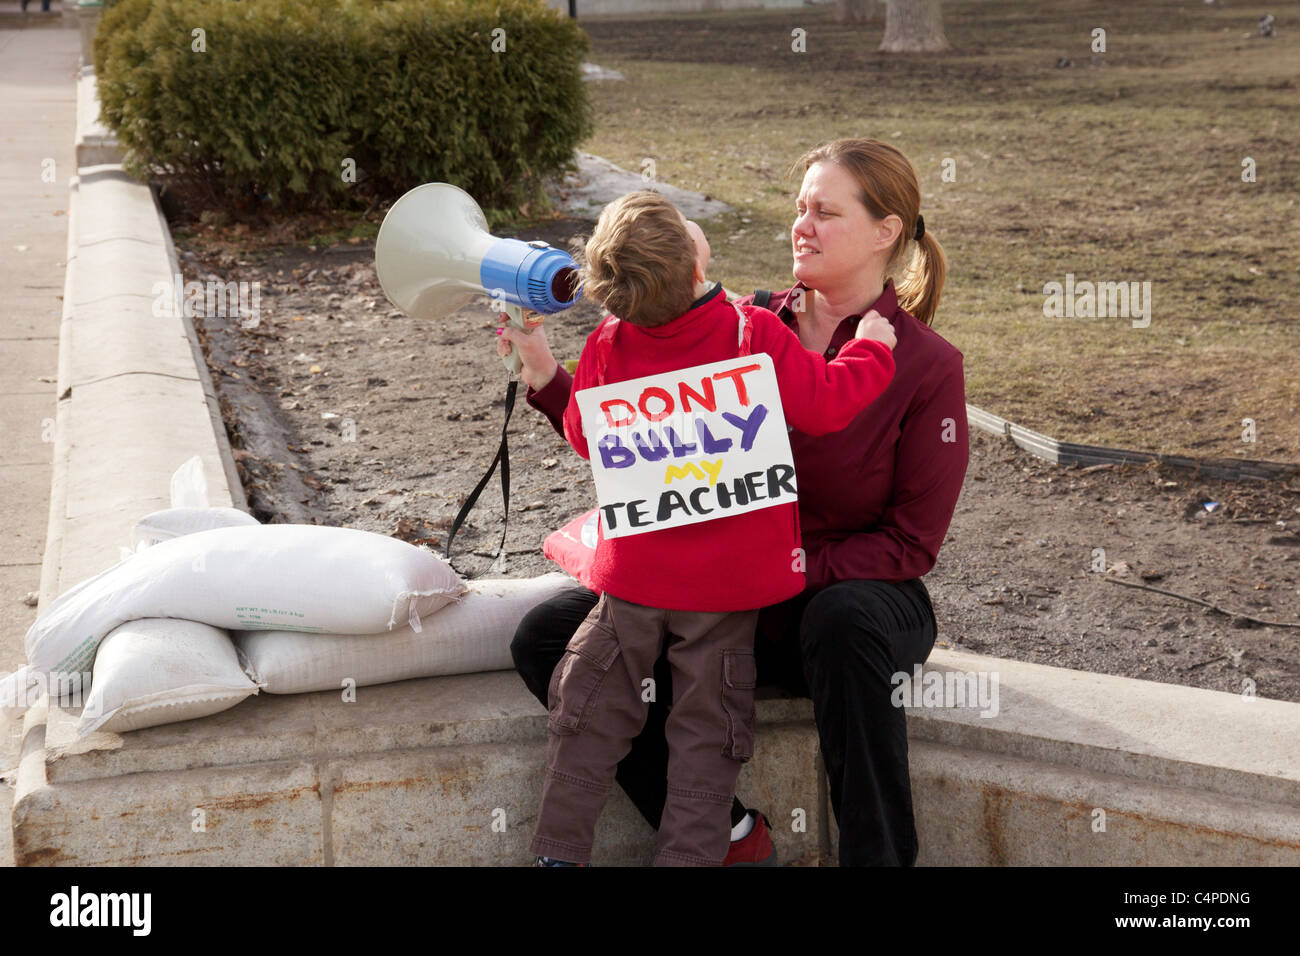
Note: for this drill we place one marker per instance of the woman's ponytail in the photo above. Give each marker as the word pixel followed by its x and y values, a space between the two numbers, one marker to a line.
pixel 920 286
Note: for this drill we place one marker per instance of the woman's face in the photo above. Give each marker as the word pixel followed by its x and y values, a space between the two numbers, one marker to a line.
pixel 833 235
pixel 702 251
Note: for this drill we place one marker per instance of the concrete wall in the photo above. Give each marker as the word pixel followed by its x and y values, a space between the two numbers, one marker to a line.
pixel 1074 769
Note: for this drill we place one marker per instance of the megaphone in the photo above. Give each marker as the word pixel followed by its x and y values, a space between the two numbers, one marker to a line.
pixel 434 253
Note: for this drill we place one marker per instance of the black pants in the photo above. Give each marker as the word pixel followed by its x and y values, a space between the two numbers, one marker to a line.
pixel 840 647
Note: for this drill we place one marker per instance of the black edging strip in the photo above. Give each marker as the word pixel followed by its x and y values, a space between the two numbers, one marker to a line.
pixel 1068 453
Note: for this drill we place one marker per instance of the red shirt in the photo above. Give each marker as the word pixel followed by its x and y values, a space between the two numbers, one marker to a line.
pixel 876 499
pixel 743 561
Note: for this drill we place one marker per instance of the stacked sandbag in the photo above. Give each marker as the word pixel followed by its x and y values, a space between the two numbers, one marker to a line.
pixel 161 671
pixel 177 522
pixel 287 577
pixel 470 636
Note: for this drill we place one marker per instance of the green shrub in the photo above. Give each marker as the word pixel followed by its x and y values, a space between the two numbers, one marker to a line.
pixel 285 91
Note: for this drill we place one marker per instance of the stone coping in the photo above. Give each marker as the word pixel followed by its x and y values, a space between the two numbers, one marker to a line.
pixel 1160 733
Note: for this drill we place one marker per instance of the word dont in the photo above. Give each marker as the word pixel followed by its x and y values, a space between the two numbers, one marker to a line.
pixel 705 398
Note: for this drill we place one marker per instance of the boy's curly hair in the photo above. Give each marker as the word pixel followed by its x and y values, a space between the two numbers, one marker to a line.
pixel 640 261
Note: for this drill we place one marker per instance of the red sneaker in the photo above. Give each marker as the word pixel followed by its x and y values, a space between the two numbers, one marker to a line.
pixel 755 849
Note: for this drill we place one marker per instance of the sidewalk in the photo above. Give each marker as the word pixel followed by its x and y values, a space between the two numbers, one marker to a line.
pixel 37 123
pixel 13 17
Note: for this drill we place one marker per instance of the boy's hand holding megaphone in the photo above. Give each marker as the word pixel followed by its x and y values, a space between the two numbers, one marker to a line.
pixel 536 363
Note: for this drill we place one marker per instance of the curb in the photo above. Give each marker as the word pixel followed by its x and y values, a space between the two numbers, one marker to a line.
pixel 1070 453
pixel 122 409
pixel 97 145
pixel 131 388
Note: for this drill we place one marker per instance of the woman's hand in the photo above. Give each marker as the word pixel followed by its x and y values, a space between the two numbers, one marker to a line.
pixel 534 353
pixel 875 326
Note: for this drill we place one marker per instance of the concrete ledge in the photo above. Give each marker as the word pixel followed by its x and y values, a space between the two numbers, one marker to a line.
pixel 1178 775
pixel 981 809
pixel 96 143
pixel 1163 733
pixel 415 772
pixel 132 403
pixel 418 772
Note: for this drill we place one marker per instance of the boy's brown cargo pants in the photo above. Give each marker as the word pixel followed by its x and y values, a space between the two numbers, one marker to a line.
pixel 599 697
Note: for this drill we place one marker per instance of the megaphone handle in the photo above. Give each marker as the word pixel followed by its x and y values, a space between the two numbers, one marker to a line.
pixel 514 365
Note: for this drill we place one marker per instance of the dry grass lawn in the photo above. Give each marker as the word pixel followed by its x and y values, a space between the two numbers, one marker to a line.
pixel 1123 166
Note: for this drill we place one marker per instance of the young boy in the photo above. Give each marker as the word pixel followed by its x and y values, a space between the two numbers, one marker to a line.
pixel 696 587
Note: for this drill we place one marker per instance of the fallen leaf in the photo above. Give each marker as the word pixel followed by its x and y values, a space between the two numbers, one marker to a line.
pixel 315 370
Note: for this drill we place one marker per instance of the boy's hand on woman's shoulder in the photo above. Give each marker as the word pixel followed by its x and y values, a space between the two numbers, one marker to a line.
pixel 875 326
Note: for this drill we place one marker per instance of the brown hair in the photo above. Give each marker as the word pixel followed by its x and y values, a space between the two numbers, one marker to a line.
pixel 640 261
pixel 888 186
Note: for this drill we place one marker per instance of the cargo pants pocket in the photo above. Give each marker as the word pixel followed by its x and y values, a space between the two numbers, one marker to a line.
pixel 580 675
pixel 739 677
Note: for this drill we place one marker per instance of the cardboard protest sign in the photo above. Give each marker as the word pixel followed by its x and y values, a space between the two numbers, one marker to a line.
pixel 682 447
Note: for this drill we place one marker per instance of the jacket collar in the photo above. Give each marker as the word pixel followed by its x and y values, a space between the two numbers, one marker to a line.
pixel 701 306
pixel 886 304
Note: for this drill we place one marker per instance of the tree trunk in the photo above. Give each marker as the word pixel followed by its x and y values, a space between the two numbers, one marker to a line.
pixel 913 26
pixel 857 11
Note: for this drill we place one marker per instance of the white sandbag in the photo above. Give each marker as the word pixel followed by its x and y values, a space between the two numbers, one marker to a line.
pixel 161 671
pixel 177 522
pixel 189 485
pixel 288 577
pixel 466 638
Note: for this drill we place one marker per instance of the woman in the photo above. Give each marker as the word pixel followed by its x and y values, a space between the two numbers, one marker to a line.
pixel 875 501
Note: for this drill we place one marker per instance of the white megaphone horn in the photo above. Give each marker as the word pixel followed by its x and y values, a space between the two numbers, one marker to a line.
pixel 434 253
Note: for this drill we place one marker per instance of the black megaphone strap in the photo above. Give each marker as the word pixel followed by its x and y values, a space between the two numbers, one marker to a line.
pixel 502 457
